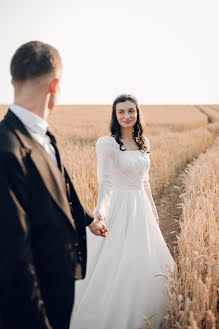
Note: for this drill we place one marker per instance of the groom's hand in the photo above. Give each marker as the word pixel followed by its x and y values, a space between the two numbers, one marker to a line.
pixel 97 227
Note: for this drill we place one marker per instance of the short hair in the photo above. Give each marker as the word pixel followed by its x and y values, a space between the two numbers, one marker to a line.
pixel 34 59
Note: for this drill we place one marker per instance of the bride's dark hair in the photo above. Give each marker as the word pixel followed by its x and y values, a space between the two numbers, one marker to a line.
pixel 115 127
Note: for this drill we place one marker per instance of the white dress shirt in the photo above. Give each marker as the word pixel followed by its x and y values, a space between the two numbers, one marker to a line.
pixel 36 126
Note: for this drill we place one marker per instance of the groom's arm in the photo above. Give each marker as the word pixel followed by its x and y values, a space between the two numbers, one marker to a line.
pixel 85 218
pixel 20 297
pixel 81 216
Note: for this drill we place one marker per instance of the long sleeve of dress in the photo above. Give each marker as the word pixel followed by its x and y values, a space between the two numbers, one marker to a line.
pixel 147 187
pixel 105 159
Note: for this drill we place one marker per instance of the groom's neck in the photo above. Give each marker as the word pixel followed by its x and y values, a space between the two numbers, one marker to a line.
pixel 33 106
pixel 33 96
pixel 32 102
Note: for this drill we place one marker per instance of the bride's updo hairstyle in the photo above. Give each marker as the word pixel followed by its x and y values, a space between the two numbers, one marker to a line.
pixel 115 127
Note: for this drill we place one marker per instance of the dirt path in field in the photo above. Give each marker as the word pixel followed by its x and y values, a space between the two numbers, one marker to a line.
pixel 169 210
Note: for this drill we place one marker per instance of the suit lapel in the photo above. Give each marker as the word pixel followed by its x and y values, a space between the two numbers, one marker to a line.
pixel 52 179
pixel 47 169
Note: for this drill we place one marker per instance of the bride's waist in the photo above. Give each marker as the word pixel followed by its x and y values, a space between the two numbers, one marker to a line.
pixel 128 186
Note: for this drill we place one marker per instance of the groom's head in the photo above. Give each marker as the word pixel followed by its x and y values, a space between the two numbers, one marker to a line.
pixel 36 69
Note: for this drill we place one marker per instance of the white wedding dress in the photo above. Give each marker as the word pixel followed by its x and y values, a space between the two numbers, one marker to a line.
pixel 120 287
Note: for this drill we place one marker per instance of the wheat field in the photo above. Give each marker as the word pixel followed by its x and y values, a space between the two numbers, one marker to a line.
pixel 212 112
pixel 172 145
pixel 194 292
pixel 178 135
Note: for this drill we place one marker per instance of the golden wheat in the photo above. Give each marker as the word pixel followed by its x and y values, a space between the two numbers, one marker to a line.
pixel 78 119
pixel 157 119
pixel 169 155
pixel 194 293
pixel 211 111
pixel 214 128
pixel 78 129
pixel 174 143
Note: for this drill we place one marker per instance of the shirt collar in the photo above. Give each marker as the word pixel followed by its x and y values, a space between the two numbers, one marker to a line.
pixel 32 121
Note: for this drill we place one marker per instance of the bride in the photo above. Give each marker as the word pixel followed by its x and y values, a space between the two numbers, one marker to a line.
pixel 120 286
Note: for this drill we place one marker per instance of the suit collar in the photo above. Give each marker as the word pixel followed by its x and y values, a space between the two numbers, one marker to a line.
pixel 47 169
pixel 19 129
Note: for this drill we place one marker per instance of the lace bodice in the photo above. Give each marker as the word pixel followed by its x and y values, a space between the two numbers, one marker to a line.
pixel 123 170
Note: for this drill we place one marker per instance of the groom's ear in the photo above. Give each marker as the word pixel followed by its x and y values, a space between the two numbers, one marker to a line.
pixel 54 86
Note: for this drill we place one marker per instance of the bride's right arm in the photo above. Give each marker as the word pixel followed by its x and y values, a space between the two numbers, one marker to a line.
pixel 105 152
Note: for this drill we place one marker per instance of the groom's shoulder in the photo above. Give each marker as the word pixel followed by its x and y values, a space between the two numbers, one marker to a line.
pixel 9 141
pixel 11 151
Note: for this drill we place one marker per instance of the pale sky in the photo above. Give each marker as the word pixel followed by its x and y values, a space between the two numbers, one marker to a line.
pixel 161 51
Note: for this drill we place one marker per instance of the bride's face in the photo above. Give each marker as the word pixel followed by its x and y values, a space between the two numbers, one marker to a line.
pixel 126 114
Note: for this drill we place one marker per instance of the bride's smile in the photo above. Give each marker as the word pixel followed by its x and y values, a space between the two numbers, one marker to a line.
pixel 126 114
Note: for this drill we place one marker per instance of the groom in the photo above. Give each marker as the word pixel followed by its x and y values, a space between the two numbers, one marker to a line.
pixel 42 223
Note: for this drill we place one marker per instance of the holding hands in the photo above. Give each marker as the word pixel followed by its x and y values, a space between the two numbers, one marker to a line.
pixel 98 227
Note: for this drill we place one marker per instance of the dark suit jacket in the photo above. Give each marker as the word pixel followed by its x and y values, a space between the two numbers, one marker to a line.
pixel 42 234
